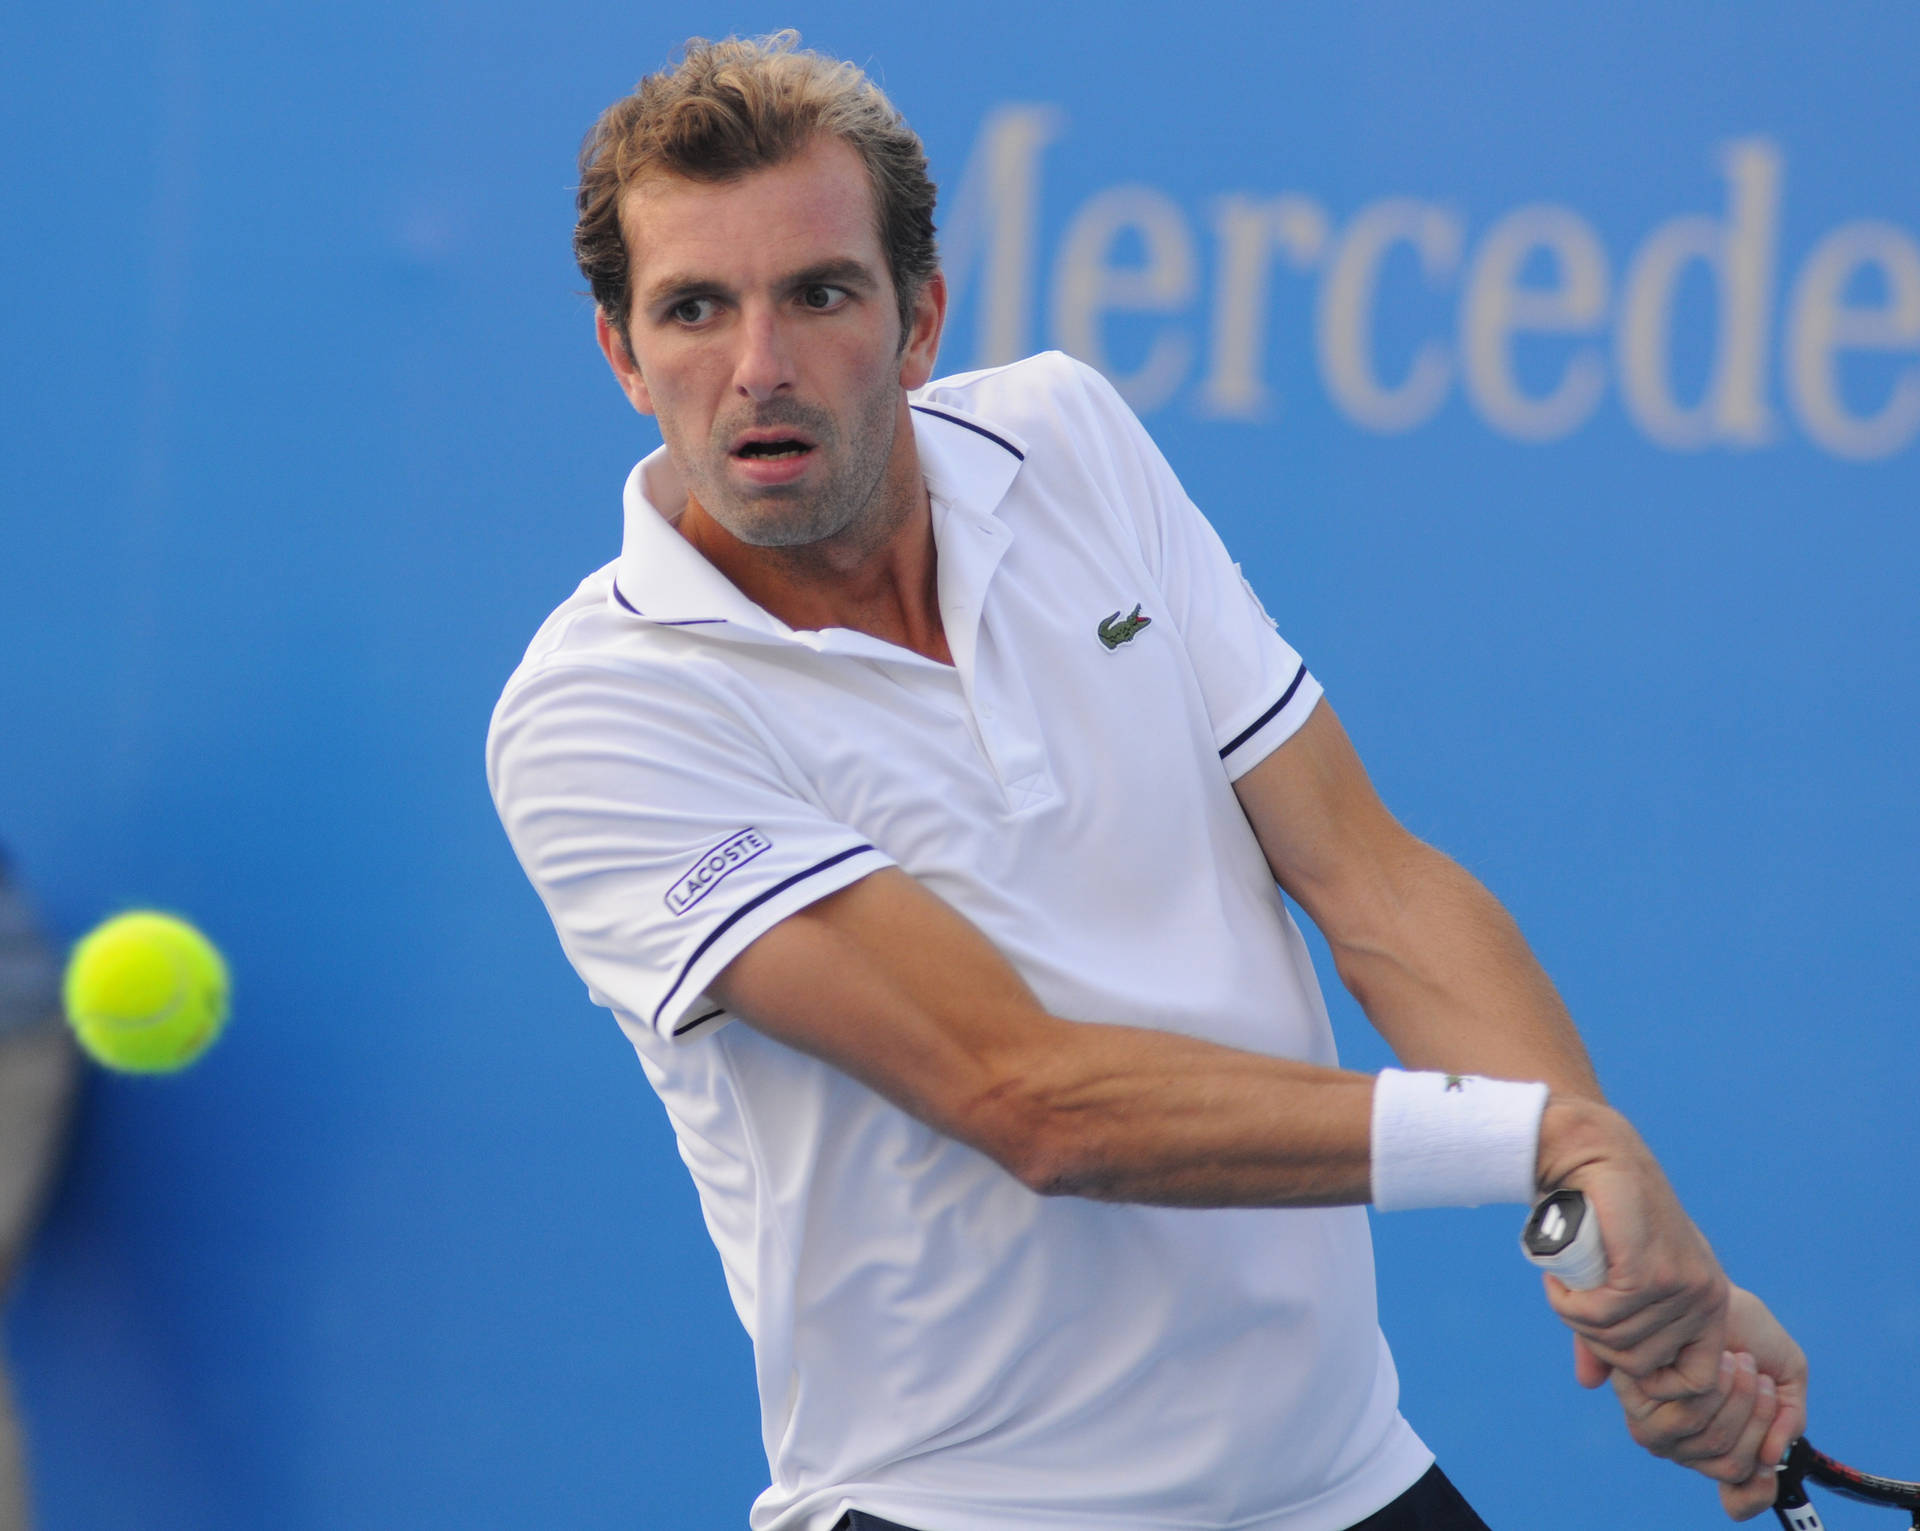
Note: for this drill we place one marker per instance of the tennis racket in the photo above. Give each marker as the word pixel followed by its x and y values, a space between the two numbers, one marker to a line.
pixel 1563 1236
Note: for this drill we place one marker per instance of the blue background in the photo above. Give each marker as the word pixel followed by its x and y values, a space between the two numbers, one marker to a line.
pixel 305 432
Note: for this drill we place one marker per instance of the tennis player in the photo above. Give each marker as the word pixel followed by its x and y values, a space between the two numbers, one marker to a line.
pixel 914 788
pixel 39 1078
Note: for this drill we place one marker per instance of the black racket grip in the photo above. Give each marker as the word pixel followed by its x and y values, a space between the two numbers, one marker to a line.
pixel 1790 1503
pixel 1563 1236
pixel 1794 1509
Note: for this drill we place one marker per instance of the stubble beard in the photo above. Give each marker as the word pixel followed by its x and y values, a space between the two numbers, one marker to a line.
pixel 851 510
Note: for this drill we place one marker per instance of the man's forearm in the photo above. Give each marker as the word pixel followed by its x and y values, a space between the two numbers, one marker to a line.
pixel 1440 968
pixel 887 983
pixel 1444 974
pixel 1122 1113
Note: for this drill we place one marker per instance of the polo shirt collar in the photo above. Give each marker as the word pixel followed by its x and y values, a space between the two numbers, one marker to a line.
pixel 660 575
pixel 968 463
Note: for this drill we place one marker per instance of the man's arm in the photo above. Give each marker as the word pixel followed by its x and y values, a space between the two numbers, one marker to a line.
pixel 890 985
pixel 1437 964
pixel 887 983
pixel 1442 971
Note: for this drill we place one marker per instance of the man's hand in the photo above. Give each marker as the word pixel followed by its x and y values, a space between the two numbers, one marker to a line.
pixel 1738 1432
pixel 1661 1316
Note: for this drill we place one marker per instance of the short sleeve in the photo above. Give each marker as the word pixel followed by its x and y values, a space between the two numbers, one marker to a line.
pixel 1257 689
pixel 660 831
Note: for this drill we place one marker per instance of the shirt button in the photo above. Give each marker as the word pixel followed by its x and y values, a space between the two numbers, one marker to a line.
pixel 986 711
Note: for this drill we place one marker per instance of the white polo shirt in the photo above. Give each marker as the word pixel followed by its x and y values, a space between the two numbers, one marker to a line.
pixel 678 771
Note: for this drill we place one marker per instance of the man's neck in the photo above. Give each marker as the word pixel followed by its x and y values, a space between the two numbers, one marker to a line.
pixel 884 583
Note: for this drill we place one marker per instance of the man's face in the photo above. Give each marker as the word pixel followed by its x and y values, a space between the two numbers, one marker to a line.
pixel 766 339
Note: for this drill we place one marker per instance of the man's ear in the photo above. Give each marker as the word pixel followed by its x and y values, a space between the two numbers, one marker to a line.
pixel 613 346
pixel 923 337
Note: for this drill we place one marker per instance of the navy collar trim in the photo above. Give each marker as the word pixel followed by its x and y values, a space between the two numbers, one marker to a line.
pixel 620 596
pixel 978 430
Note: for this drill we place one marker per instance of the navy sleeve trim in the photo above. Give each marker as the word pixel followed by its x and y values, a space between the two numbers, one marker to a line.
pixel 1268 716
pixel 739 914
pixel 978 430
pixel 699 1020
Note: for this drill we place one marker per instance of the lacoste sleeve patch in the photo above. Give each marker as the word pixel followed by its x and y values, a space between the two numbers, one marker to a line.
pixel 660 833
pixel 711 866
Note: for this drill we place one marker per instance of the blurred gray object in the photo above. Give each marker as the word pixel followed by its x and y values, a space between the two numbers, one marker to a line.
pixel 39 1069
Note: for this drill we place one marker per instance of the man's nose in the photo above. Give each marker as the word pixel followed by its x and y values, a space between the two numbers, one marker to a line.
pixel 765 364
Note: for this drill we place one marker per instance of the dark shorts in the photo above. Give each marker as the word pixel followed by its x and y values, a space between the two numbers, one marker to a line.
pixel 1432 1504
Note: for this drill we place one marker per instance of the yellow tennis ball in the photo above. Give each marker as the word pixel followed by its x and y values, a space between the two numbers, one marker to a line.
pixel 145 992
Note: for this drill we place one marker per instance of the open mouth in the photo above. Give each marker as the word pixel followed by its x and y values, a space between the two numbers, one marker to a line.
pixel 772 451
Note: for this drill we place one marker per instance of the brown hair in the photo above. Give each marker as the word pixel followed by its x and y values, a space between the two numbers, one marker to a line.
pixel 741 105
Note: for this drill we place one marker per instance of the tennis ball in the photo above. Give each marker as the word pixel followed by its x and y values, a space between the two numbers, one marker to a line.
pixel 145 992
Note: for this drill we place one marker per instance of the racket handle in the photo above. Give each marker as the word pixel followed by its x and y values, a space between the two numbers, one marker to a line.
pixel 1791 1505
pixel 1563 1236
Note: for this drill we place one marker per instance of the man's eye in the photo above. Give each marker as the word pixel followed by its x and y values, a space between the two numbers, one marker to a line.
pixel 692 310
pixel 820 295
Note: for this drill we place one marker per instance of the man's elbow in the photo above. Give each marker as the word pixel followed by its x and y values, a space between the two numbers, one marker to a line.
pixel 1382 910
pixel 1016 1127
pixel 1052 1165
pixel 1366 968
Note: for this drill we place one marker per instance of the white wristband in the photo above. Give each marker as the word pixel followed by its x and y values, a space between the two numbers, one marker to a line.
pixel 1453 1140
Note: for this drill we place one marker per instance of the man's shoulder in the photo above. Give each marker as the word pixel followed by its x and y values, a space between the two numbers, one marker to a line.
pixel 572 626
pixel 1039 373
pixel 584 633
pixel 593 672
pixel 1029 398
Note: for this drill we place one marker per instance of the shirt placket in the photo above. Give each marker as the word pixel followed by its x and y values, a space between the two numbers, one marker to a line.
pixel 1005 718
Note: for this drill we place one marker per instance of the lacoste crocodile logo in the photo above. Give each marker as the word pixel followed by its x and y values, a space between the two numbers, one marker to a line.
pixel 1113 631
